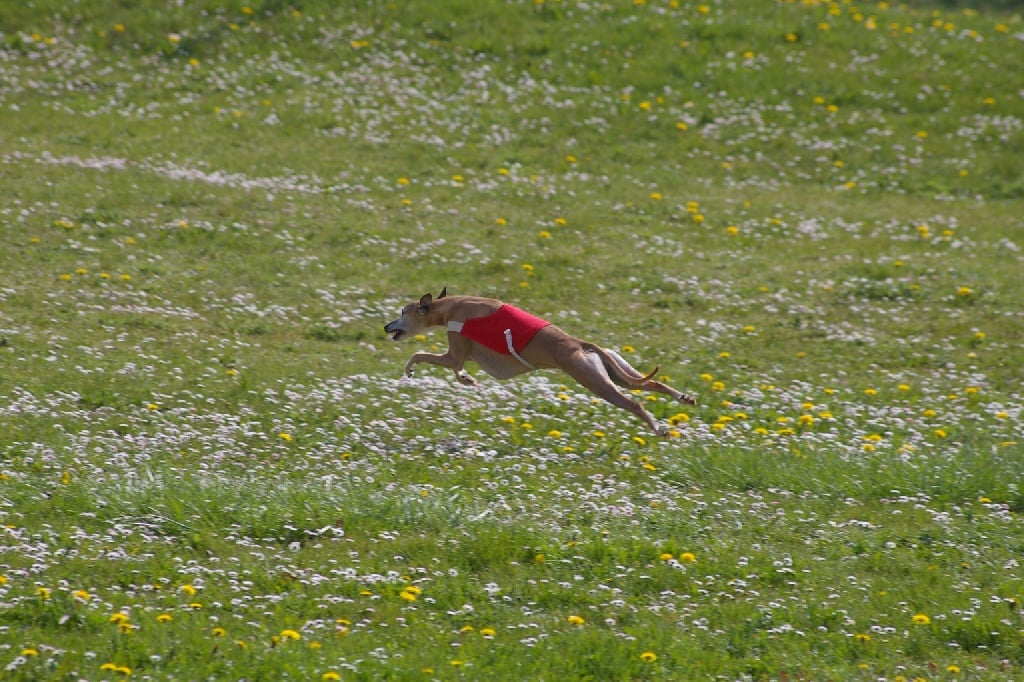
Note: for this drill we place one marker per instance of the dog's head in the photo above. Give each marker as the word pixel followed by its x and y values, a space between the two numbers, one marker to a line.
pixel 413 318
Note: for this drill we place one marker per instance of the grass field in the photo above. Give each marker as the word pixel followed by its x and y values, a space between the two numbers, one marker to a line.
pixel 809 214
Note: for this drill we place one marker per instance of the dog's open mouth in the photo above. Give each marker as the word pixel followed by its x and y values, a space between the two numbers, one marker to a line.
pixel 398 334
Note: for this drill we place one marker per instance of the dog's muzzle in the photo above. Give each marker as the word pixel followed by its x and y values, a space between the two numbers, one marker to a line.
pixel 393 331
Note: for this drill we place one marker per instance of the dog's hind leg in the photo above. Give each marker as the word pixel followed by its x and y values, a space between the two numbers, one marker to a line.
pixel 627 376
pixel 589 370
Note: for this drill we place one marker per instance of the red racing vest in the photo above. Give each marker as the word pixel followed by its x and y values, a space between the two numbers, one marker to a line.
pixel 507 330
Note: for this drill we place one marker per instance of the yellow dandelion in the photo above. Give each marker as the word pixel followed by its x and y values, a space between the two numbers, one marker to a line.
pixel 576 620
pixel 648 657
pixel 687 557
pixel 290 634
pixel 920 619
pixel 330 676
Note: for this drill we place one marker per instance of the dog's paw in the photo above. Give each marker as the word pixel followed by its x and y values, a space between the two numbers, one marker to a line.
pixel 466 379
pixel 687 399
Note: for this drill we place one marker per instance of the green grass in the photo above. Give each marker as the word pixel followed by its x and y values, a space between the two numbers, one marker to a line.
pixel 807 214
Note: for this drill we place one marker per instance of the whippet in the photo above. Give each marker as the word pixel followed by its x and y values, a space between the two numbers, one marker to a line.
pixel 506 341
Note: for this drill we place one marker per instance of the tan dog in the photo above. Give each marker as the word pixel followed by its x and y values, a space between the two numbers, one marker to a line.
pixel 520 343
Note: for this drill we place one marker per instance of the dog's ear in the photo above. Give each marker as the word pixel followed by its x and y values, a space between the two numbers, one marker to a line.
pixel 425 302
pixel 444 292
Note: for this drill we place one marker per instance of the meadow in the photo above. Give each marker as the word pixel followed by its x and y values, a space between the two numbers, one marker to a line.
pixel 808 214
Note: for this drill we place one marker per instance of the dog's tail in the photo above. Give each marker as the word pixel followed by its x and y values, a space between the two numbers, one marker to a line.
pixel 650 376
pixel 621 371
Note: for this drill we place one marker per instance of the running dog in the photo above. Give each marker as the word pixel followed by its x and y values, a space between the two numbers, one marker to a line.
pixel 506 341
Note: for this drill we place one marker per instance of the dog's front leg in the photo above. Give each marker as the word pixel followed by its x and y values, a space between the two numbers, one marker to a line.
pixel 454 359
